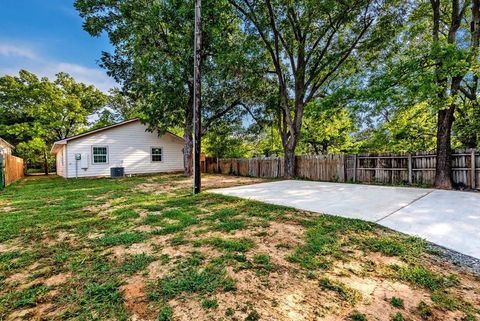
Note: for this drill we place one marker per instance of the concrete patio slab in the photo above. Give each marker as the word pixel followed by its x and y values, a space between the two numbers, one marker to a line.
pixel 366 202
pixel 447 218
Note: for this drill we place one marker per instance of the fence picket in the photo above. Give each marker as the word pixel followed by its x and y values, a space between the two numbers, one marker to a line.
pixel 414 169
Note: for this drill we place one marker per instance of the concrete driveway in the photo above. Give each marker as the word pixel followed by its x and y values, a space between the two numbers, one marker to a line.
pixel 447 218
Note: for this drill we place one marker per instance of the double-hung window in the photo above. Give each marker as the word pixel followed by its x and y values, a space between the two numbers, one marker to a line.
pixel 100 154
pixel 156 154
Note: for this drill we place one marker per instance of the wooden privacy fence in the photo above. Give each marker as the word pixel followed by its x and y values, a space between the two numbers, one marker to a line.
pixel 416 169
pixel 11 169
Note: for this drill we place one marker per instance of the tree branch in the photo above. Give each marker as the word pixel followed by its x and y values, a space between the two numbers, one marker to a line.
pixel 217 116
pixel 347 53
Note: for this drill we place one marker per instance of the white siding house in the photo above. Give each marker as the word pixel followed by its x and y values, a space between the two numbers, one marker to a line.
pixel 128 145
pixel 5 147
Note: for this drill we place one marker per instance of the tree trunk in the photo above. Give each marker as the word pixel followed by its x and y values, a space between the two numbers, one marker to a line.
pixel 45 162
pixel 443 170
pixel 445 117
pixel 476 125
pixel 290 161
pixel 475 29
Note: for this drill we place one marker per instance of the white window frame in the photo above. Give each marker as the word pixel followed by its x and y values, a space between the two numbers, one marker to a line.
pixel 161 154
pixel 93 155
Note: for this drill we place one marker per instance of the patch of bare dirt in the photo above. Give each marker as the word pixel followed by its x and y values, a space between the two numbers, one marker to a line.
pixel 277 241
pixel 6 209
pixel 139 248
pixel 21 277
pixel 57 279
pixel 220 181
pixel 145 228
pixel 156 245
pixel 60 237
pixel 381 260
pixel 135 299
pixel 209 181
pixel 155 188
pixel 188 309
pixel 6 206
pixel 119 251
pixel 101 208
pixel 143 213
pixel 94 235
pixel 156 270
pixel 9 247
pixel 281 296
pixel 25 314
pixel 42 311
pixel 288 293
pixel 177 251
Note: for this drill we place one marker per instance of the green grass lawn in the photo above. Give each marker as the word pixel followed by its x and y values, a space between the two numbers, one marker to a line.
pixel 145 248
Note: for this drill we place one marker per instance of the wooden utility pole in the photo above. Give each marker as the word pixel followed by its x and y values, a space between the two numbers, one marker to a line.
pixel 197 98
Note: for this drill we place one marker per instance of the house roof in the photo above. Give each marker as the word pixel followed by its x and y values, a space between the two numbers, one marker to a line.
pixel 64 141
pixel 6 143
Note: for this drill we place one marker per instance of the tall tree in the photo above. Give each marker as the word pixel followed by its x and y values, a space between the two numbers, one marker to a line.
pixel 37 111
pixel 453 65
pixel 309 43
pixel 153 59
pixel 120 107
pixel 69 105
pixel 428 78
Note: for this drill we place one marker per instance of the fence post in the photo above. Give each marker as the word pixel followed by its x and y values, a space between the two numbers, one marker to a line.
pixel 355 168
pixel 410 169
pixel 473 172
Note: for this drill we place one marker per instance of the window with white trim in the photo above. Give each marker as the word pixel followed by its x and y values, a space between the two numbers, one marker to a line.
pixel 100 154
pixel 156 154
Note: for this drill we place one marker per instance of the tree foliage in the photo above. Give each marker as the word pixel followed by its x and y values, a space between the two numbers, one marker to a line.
pixel 35 112
pixel 280 77
pixel 120 107
pixel 153 60
pixel 310 44
pixel 421 94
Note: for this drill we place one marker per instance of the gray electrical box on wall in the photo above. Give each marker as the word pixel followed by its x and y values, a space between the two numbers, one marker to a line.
pixel 77 158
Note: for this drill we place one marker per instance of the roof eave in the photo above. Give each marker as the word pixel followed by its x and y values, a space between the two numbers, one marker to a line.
pixel 66 140
pixel 8 144
pixel 57 145
pixel 98 130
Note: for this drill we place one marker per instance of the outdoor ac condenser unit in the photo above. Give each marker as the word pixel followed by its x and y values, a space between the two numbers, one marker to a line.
pixel 117 172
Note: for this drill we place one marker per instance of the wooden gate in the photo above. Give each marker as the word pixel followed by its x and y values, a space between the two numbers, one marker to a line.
pixel 11 168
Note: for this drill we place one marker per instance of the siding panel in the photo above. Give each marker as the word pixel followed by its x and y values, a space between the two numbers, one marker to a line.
pixel 5 149
pixel 60 162
pixel 128 146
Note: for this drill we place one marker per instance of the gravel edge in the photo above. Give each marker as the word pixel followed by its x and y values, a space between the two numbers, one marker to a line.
pixel 463 261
